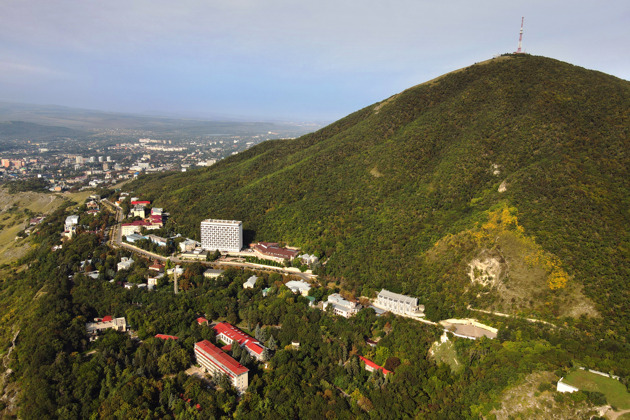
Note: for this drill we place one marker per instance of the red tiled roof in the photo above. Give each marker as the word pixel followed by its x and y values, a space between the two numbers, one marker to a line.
pixel 166 337
pixel 140 202
pixel 137 223
pixel 254 346
pixel 374 365
pixel 216 356
pixel 202 320
pixel 275 251
pixel 227 347
pixel 107 318
pixel 232 332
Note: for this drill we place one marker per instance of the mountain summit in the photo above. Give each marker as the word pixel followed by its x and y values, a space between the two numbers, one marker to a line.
pixel 503 186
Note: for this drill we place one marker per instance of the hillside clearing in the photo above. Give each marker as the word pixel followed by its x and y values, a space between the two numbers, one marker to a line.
pixel 616 393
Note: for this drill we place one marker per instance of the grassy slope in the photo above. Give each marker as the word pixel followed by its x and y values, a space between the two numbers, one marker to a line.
pixel 380 187
pixel 616 393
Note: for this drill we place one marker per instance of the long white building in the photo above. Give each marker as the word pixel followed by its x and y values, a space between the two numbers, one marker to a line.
pixel 224 235
pixel 398 304
pixel 216 362
pixel 341 306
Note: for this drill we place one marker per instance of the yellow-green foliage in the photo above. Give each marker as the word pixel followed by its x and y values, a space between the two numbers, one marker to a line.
pixel 503 219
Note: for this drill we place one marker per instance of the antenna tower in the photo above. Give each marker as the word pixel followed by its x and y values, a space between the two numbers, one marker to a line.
pixel 520 37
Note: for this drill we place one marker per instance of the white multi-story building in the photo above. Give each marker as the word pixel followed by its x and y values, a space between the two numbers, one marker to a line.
pixel 70 227
pixel 341 306
pixel 224 235
pixel 398 304
pixel 216 362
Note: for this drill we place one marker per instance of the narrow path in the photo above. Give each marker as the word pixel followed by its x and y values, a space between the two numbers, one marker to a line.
pixel 511 316
pixel 613 415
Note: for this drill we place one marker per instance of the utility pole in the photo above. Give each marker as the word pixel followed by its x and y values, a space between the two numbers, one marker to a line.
pixel 520 38
pixel 175 289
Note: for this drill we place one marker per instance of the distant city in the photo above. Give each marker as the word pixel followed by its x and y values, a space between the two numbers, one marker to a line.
pixel 75 163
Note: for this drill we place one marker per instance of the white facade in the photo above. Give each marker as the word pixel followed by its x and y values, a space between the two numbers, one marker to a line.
pixel 215 362
pixel 224 235
pixel 71 225
pixel 118 324
pixel 341 306
pixel 563 387
pixel 398 304
pixel 124 264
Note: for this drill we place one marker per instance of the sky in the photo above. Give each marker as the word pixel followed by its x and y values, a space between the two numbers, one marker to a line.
pixel 279 60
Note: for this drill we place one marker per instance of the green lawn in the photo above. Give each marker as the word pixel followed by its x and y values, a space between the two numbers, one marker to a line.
pixel 615 392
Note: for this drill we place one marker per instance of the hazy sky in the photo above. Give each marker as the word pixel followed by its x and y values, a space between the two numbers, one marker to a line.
pixel 280 59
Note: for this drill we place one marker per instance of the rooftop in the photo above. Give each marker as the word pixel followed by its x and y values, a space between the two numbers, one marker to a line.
pixel 229 222
pixel 219 356
pixel 373 365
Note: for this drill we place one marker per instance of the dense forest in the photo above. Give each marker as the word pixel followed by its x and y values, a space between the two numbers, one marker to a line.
pixel 60 373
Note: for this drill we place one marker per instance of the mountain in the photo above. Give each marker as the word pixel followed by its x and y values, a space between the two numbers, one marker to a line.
pixel 503 186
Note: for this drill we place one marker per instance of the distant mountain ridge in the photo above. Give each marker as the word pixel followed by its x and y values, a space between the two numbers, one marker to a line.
pixel 520 160
pixel 86 119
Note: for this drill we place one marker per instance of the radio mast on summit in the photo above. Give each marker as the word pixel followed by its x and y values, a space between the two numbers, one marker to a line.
pixel 520 38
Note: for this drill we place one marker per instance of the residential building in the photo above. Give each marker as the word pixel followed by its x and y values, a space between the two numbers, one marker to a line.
pixel 228 333
pixel 70 227
pixel 140 203
pixel 156 266
pixel 133 237
pixel 105 323
pixel 308 259
pixel 272 251
pixel 398 304
pixel 216 362
pixel 212 273
pixel 370 366
pixel 202 321
pixel 188 245
pixel 166 337
pixel 138 211
pixel 124 264
pixel 250 283
pixel 134 227
pixel 298 286
pixel 224 235
pixel 341 306
pixel 158 240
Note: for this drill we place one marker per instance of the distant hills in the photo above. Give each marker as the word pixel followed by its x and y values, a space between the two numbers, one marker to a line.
pixel 21 130
pixel 84 120
pixel 503 186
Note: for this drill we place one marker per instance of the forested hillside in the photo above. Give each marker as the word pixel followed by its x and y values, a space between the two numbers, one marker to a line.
pixel 503 186
pixel 521 161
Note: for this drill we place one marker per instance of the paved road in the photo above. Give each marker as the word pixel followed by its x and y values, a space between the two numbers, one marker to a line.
pixel 116 242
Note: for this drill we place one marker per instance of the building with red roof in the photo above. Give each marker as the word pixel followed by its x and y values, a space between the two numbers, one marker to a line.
pixel 202 321
pixel 370 366
pixel 166 337
pixel 140 203
pixel 271 251
pixel 157 267
pixel 228 333
pixel 216 362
